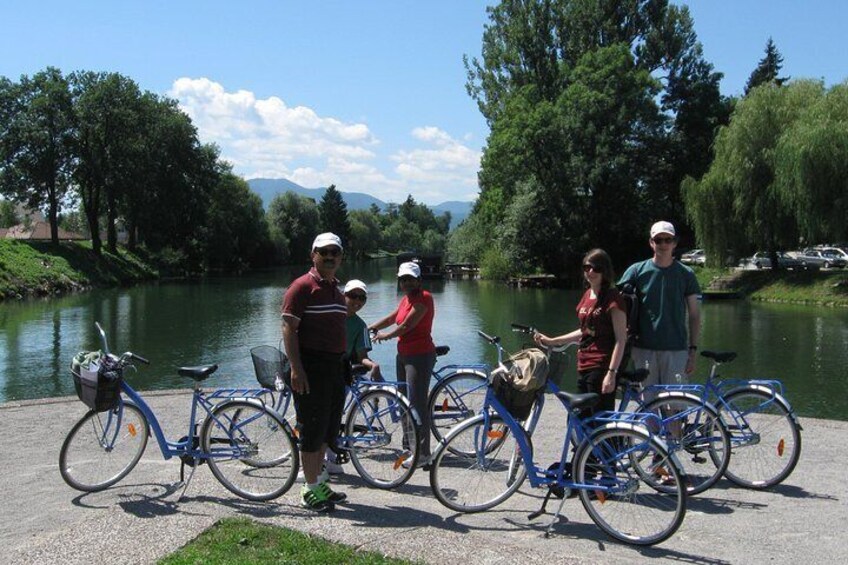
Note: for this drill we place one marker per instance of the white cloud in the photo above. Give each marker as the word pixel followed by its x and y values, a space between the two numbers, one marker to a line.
pixel 267 138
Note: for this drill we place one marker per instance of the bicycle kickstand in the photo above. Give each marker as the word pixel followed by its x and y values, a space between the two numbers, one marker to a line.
pixel 550 529
pixel 540 511
pixel 195 462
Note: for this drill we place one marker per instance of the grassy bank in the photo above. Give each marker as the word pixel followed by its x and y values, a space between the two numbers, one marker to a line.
pixel 39 269
pixel 241 541
pixel 804 287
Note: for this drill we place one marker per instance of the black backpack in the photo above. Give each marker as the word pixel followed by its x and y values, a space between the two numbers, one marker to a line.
pixel 630 294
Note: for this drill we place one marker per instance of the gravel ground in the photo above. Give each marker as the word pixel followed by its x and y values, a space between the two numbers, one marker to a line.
pixel 139 520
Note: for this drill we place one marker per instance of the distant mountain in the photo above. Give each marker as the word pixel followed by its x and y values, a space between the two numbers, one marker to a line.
pixel 267 189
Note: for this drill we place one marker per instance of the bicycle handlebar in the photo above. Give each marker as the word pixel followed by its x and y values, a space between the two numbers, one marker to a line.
pixel 490 339
pixel 138 358
pixel 522 328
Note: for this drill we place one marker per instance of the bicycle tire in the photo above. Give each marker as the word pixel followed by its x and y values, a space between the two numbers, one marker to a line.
pixel 103 447
pixel 483 471
pixel 766 443
pixel 455 398
pixel 697 435
pixel 381 435
pixel 623 506
pixel 250 450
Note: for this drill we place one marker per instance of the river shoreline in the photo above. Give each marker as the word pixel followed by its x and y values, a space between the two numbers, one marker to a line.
pixel 36 270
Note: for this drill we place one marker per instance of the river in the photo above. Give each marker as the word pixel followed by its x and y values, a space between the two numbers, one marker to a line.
pixel 219 319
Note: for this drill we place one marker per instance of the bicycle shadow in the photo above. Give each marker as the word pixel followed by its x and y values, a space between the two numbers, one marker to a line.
pixel 143 500
pixel 787 491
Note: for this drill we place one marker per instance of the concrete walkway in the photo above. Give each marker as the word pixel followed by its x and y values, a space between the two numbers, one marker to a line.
pixel 139 520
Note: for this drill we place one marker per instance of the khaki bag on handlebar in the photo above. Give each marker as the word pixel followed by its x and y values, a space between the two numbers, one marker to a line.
pixel 520 381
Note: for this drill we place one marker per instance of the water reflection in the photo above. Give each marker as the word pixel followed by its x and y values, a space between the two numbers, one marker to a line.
pixel 219 320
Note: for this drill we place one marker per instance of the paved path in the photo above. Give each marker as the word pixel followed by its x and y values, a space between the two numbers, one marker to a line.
pixel 139 521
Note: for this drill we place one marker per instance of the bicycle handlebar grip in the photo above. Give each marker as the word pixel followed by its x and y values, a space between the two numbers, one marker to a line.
pixel 521 328
pixel 139 358
pixel 488 338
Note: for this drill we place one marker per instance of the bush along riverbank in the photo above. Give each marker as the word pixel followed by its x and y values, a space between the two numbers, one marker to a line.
pixel 30 269
pixel 827 288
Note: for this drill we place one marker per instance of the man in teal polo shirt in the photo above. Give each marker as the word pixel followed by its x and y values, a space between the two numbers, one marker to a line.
pixel 668 293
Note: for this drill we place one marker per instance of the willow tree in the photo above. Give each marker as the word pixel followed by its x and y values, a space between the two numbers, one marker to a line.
pixel 812 167
pixel 744 202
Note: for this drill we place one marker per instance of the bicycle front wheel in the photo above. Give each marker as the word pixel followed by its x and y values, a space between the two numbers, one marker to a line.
pixel 250 450
pixel 695 433
pixel 622 504
pixel 478 466
pixel 382 437
pixel 764 438
pixel 103 447
pixel 455 398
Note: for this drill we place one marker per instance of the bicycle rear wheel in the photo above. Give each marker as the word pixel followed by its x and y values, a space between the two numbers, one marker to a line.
pixel 250 450
pixel 764 438
pixel 103 447
pixel 696 434
pixel 478 466
pixel 623 505
pixel 455 398
pixel 382 437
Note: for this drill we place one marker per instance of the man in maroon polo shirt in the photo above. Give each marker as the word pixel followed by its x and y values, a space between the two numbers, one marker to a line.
pixel 314 314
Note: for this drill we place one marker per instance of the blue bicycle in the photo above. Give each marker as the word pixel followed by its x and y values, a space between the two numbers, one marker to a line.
pixel 379 430
pixel 485 459
pixel 249 448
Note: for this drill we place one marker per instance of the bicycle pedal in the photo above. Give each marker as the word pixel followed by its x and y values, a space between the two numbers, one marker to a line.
pixel 699 459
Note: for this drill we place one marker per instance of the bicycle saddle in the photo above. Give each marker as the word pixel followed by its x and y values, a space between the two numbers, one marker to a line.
pixel 720 356
pixel 634 376
pixel 197 373
pixel 442 350
pixel 584 400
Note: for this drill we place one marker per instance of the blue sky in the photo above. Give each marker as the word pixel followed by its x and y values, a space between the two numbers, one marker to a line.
pixel 370 94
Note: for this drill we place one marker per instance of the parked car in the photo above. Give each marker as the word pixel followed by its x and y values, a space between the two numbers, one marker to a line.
pixel 817 258
pixel 839 256
pixel 694 257
pixel 762 260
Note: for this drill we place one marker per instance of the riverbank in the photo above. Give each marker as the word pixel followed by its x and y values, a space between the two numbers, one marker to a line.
pixel 29 269
pixel 825 288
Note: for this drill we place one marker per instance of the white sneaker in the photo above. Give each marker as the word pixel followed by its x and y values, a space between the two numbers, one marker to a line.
pixel 333 468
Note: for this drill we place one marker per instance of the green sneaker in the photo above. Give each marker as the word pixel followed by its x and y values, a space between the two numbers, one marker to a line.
pixel 331 495
pixel 316 500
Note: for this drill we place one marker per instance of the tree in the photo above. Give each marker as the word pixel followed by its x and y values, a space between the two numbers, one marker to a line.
pixel 592 98
pixel 8 215
pixel 743 200
pixel 767 69
pixel 291 222
pixel 37 147
pixel 334 214
pixel 365 232
pixel 238 228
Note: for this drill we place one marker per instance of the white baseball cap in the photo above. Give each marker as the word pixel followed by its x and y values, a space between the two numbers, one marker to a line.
pixel 409 268
pixel 325 239
pixel 662 227
pixel 353 284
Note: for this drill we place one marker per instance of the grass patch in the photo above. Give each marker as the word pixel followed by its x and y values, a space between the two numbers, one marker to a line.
pixel 39 268
pixel 805 287
pixel 243 542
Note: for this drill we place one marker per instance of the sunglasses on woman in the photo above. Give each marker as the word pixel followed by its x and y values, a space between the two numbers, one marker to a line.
pixel 589 267
pixel 356 296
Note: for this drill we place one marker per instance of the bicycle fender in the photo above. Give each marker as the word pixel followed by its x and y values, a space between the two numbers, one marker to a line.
pixel 644 432
pixel 708 406
pixel 771 392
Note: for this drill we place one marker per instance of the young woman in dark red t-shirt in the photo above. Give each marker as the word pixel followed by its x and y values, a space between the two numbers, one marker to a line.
pixel 416 356
pixel 602 332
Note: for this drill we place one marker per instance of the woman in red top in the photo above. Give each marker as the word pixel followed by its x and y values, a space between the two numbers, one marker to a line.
pixel 602 332
pixel 416 356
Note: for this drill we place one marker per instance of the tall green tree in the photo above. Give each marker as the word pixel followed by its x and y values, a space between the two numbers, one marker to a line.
pixel 592 99
pixel 8 215
pixel 767 70
pixel 291 222
pixel 365 232
pixel 37 146
pixel 333 211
